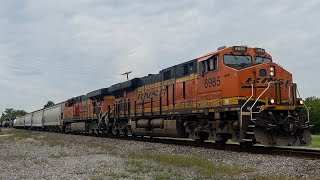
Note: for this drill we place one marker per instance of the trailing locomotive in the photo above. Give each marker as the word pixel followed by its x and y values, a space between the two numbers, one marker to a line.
pixel 236 93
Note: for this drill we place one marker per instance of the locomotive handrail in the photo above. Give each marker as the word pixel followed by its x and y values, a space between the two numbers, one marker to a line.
pixel 289 94
pixel 105 113
pixel 106 118
pixel 112 109
pixel 259 98
pixel 244 105
pixel 308 113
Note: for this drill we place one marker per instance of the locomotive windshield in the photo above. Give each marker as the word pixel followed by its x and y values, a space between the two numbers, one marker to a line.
pixel 237 61
pixel 260 60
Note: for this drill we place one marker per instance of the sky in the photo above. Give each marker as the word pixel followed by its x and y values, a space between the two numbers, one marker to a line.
pixel 58 49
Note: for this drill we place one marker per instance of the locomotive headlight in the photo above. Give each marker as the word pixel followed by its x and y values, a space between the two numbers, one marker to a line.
pixel 271 73
pixel 272 101
pixel 301 102
pixel 271 68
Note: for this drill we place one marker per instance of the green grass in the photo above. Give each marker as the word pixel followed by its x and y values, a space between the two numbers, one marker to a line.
pixel 53 142
pixel 138 167
pixel 204 166
pixel 161 176
pixel 96 178
pixel 59 155
pixel 14 135
pixel 122 175
pixel 315 143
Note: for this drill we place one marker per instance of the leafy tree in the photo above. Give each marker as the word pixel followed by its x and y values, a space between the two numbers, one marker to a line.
pixel 314 105
pixel 49 104
pixel 10 114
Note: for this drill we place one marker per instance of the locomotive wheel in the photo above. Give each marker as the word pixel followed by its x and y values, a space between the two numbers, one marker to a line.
pixel 199 141
pixel 246 144
pixel 115 132
pixel 221 142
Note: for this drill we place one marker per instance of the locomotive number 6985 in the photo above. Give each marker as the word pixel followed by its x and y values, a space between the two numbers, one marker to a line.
pixel 212 82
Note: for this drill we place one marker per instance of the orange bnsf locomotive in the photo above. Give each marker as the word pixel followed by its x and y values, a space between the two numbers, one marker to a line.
pixel 236 93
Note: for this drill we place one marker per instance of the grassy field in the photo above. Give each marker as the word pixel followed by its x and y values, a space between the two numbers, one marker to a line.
pixel 134 164
pixel 315 141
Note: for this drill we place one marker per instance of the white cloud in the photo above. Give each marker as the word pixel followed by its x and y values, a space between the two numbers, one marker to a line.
pixel 52 50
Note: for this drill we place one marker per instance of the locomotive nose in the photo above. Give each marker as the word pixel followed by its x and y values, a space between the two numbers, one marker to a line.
pixel 268 70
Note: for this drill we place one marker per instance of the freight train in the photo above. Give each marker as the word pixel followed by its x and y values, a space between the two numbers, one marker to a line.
pixel 235 92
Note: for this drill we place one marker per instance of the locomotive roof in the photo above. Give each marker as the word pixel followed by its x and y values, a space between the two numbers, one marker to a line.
pixel 124 85
pixel 176 71
pixel 99 92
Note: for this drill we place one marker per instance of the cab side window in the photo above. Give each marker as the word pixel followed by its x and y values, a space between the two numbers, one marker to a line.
pixel 205 66
pixel 210 64
pixel 213 62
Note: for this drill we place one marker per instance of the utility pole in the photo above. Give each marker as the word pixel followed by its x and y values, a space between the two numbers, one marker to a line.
pixel 127 73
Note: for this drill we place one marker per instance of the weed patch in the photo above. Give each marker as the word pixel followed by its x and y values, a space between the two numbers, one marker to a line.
pixel 53 142
pixel 114 175
pixel 59 155
pixel 138 167
pixel 96 178
pixel 161 176
pixel 315 143
pixel 14 135
pixel 205 167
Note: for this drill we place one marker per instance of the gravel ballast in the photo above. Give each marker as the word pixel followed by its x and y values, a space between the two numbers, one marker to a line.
pixel 45 155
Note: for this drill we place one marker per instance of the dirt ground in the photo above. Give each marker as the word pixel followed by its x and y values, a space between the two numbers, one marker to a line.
pixel 44 155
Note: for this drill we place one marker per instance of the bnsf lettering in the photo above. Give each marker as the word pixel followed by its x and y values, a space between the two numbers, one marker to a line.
pixel 264 81
pixel 154 94
pixel 257 80
pixel 212 82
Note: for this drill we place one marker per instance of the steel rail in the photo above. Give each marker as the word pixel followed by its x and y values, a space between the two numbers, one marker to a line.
pixel 290 151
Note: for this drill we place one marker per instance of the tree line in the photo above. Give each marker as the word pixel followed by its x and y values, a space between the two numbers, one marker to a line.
pixel 313 103
pixel 11 114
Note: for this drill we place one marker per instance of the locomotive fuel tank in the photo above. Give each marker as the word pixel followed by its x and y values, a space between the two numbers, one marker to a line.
pixel 143 123
pixel 157 123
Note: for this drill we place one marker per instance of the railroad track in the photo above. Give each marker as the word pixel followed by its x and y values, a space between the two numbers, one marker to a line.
pixel 300 152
